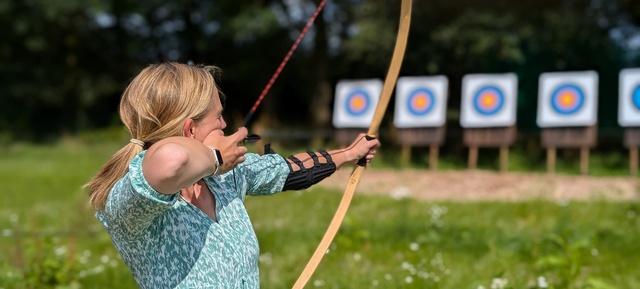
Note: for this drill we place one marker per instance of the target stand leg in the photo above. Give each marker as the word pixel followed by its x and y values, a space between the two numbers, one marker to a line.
pixel 551 160
pixel 434 151
pixel 584 160
pixel 473 157
pixel 405 155
pixel 633 160
pixel 504 158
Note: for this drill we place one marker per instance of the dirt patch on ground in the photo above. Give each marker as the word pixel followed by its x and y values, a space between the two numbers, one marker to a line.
pixel 487 185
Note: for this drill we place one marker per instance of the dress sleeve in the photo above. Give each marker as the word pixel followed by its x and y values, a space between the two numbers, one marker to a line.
pixel 264 175
pixel 133 204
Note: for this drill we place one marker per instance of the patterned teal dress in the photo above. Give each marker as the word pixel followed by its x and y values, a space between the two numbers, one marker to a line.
pixel 170 243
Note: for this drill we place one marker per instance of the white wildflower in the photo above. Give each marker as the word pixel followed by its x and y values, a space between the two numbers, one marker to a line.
pixel 84 257
pixel 105 259
pixel 375 283
pixel 357 257
pixel 499 283
pixel 7 233
pixel 480 287
pixel 98 269
pixel 437 212
pixel 318 283
pixel 595 252
pixel 414 246
pixel 408 279
pixel 542 282
pixel 399 193
pixel 388 277
pixel 59 251
pixel 423 275
pixel 266 258
pixel 406 265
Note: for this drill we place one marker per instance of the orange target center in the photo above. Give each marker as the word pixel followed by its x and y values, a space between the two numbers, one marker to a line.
pixel 567 99
pixel 421 101
pixel 357 102
pixel 489 100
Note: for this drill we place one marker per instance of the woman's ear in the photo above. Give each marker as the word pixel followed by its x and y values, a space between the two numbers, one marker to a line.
pixel 187 128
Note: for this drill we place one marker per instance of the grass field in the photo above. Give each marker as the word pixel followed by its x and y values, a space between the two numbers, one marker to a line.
pixel 49 238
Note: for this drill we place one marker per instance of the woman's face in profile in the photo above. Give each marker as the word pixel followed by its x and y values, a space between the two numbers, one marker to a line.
pixel 212 121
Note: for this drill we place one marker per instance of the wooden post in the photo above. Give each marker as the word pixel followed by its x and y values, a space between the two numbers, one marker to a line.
pixel 473 157
pixel 551 160
pixel 633 160
pixel 405 155
pixel 504 158
pixel 584 160
pixel 434 151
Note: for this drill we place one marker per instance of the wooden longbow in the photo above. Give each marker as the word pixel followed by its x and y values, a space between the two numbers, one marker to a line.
pixel 354 180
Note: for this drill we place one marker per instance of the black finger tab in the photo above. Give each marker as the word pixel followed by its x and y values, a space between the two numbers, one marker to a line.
pixel 252 138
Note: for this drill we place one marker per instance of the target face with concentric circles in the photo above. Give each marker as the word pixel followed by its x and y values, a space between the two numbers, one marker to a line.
pixel 635 96
pixel 567 99
pixel 421 101
pixel 488 100
pixel 358 102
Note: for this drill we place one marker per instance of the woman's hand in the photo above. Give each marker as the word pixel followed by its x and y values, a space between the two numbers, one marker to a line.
pixel 361 147
pixel 232 153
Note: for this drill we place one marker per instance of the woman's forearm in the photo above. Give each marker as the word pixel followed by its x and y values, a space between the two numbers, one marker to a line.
pixel 177 162
pixel 339 157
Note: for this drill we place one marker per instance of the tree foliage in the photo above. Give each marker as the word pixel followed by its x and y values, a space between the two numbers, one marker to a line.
pixel 64 63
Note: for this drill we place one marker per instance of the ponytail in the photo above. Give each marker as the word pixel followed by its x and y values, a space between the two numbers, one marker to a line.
pixel 116 167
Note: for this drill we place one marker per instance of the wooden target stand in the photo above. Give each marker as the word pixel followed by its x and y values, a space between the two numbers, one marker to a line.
pixel 493 137
pixel 583 138
pixel 433 137
pixel 632 141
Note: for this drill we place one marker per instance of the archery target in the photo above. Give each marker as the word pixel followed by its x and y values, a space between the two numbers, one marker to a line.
pixel 489 100
pixel 567 99
pixel 629 94
pixel 355 102
pixel 420 102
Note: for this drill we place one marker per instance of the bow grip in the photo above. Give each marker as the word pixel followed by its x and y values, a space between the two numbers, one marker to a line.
pixel 363 161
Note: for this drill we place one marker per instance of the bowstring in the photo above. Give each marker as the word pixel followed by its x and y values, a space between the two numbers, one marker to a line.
pixel 284 62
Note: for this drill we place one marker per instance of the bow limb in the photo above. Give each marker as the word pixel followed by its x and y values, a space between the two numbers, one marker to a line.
pixel 354 179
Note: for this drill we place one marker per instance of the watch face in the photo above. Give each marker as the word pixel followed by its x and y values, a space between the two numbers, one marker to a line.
pixel 219 157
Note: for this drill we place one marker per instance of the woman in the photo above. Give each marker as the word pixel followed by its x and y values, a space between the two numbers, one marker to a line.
pixel 172 198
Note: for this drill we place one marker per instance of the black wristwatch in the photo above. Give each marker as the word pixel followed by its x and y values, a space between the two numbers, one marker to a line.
pixel 218 159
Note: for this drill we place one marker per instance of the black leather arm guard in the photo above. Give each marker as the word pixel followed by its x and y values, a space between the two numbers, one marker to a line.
pixel 305 177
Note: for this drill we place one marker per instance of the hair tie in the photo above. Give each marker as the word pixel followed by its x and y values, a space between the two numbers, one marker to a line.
pixel 137 142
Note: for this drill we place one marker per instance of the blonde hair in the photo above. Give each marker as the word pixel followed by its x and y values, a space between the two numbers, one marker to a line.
pixel 153 107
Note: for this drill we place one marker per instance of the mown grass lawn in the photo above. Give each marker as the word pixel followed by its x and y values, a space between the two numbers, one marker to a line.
pixel 49 239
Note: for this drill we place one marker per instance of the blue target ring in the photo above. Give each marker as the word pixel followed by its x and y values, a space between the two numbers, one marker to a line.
pixel 635 97
pixel 567 99
pixel 488 100
pixel 358 102
pixel 421 101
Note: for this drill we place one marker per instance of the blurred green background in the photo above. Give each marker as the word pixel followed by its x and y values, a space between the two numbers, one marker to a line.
pixel 64 64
